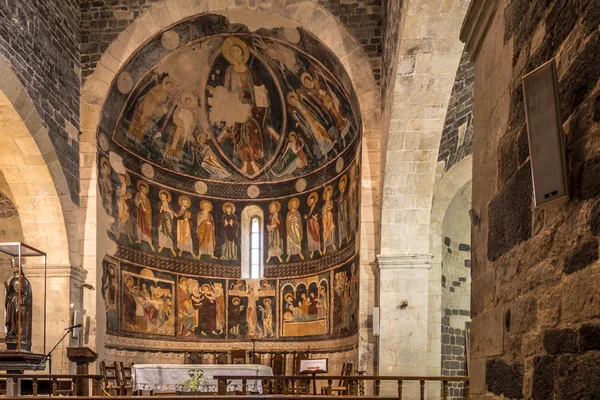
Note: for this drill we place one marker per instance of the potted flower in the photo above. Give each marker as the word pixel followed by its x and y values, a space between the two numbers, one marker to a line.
pixel 192 386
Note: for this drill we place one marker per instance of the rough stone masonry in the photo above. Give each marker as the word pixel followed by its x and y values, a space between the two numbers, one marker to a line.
pixel 535 302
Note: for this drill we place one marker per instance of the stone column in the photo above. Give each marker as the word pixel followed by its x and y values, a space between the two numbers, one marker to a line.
pixel 403 301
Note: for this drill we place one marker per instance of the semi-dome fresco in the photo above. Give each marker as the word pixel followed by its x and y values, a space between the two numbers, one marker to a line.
pixel 206 127
pixel 238 107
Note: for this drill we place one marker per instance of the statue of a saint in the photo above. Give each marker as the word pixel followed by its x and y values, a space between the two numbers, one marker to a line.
pixel 13 308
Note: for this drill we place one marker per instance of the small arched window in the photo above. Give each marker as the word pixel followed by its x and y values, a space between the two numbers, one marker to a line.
pixel 255 270
pixel 252 236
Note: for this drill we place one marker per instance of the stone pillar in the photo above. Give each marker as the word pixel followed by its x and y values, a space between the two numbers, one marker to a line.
pixel 404 305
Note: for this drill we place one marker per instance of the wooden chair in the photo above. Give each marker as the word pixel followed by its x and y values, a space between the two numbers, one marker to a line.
pixel 238 356
pixel 342 387
pixel 277 364
pixel 125 380
pixel 111 378
pixel 221 358
pixel 256 358
pixel 194 358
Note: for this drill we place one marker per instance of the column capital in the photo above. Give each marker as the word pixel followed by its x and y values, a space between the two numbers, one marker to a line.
pixel 55 271
pixel 476 24
pixel 404 261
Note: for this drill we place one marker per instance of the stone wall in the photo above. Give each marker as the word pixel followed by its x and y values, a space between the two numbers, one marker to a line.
pixel 102 21
pixel 391 41
pixel 457 136
pixel 535 303
pixel 456 288
pixel 40 39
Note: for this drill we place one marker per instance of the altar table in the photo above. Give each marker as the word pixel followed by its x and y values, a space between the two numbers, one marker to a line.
pixel 172 377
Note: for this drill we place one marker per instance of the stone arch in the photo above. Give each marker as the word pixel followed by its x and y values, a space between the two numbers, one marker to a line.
pixel 451 183
pixel 306 14
pixel 33 173
pixel 428 58
pixel 454 182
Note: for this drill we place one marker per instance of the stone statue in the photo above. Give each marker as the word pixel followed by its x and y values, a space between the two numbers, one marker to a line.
pixel 13 308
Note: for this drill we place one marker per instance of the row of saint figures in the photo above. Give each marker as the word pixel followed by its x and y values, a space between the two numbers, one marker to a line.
pixel 328 223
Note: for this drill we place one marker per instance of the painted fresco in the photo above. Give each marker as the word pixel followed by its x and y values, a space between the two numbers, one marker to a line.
pixel 147 301
pixel 110 292
pixel 252 309
pixel 168 223
pixel 305 306
pixel 237 107
pixel 201 307
pixel 205 121
pixel 345 299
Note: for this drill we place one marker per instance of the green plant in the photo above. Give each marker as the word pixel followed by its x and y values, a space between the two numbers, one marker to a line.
pixel 196 379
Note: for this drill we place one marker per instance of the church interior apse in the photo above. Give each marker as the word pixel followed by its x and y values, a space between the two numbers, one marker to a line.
pixel 228 177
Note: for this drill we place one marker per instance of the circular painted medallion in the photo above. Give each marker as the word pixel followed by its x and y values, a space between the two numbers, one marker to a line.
pixel 147 170
pixel 125 82
pixel 253 191
pixel 103 141
pixel 301 185
pixel 170 40
pixel 201 187
pixel 339 165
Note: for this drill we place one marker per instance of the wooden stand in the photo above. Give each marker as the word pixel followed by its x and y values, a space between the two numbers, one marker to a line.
pixel 82 357
pixel 15 362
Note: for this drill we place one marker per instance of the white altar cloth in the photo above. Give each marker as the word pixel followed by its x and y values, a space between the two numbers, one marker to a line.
pixel 172 377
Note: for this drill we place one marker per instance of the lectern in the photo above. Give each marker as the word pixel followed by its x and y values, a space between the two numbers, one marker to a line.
pixel 82 357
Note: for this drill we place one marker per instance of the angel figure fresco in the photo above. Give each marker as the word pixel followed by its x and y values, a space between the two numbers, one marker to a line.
pixel 144 214
pixel 151 108
pixel 247 137
pixel 293 157
pixel 184 228
pixel 328 99
pixel 294 230
pixel 313 229
pixel 308 119
pixel 229 233
pixel 206 230
pixel 343 226
pixel 185 120
pixel 105 184
pixel 267 318
pixel 328 219
pixel 125 213
pixel 274 229
pixel 207 158
pixel 165 223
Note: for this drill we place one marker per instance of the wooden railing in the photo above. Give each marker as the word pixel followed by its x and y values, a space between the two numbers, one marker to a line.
pixel 229 397
pixel 290 384
pixel 56 382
